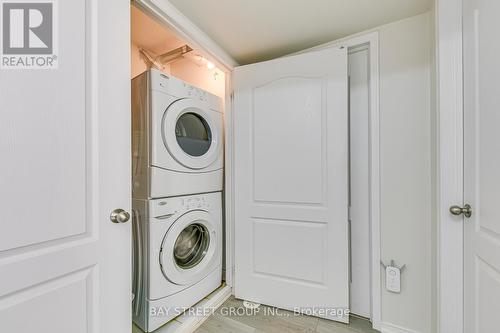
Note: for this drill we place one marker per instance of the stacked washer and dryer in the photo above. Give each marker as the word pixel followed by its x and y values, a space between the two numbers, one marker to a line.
pixel 177 172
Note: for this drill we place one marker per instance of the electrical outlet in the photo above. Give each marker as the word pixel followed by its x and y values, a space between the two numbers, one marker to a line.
pixel 393 279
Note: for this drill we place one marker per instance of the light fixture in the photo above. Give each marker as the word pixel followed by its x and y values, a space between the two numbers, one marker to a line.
pixel 210 65
pixel 201 60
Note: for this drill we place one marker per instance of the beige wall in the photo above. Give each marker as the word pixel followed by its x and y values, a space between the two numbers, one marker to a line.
pixel 138 63
pixel 211 80
pixel 185 69
pixel 407 182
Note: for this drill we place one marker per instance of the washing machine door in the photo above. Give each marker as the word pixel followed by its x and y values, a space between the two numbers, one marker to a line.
pixel 190 134
pixel 191 249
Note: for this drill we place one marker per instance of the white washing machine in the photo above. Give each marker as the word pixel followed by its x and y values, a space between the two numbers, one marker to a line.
pixel 177 255
pixel 177 136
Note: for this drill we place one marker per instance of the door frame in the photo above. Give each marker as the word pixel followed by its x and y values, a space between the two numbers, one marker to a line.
pixel 450 283
pixel 169 16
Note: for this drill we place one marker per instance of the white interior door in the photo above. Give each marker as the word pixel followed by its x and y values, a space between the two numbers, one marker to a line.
pixel 65 165
pixel 482 165
pixel 291 181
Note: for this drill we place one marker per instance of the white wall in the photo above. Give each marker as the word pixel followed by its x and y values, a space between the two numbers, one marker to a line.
pixel 406 169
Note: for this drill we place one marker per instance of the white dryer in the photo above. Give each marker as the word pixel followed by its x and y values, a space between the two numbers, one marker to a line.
pixel 177 255
pixel 177 135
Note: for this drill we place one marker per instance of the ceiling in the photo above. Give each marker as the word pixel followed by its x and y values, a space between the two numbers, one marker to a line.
pixel 256 30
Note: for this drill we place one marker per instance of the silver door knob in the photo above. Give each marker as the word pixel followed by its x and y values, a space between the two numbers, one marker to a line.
pixel 119 216
pixel 466 210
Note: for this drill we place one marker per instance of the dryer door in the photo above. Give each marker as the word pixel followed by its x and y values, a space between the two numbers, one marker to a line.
pixel 191 249
pixel 190 134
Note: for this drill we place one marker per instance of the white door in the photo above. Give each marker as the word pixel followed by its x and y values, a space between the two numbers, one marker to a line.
pixel 65 165
pixel 482 165
pixel 291 181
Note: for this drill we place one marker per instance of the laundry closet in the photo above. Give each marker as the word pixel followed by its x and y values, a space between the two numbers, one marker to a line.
pixel 177 175
pixel 186 240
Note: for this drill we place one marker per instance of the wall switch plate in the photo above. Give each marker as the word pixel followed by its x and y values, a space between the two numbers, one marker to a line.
pixel 393 279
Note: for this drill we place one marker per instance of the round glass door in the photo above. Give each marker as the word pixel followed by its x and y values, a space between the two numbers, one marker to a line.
pixel 191 246
pixel 193 134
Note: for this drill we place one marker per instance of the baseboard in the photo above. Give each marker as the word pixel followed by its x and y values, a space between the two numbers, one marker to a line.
pixel 190 323
pixel 391 328
pixel 186 323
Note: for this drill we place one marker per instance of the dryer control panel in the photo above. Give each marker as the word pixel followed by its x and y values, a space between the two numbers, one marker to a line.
pixel 194 92
pixel 173 86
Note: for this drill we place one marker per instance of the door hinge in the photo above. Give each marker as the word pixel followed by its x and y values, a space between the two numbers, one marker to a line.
pixel 349 227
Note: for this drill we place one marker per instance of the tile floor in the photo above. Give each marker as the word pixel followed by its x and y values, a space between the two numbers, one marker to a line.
pixel 231 318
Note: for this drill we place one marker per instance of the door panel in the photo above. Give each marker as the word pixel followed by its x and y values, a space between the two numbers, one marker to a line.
pixel 290 132
pixel 68 292
pixel 289 261
pixel 44 138
pixel 278 125
pixel 64 138
pixel 482 165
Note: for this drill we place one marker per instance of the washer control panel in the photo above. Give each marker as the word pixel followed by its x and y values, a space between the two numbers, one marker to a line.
pixel 195 202
pixel 168 207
